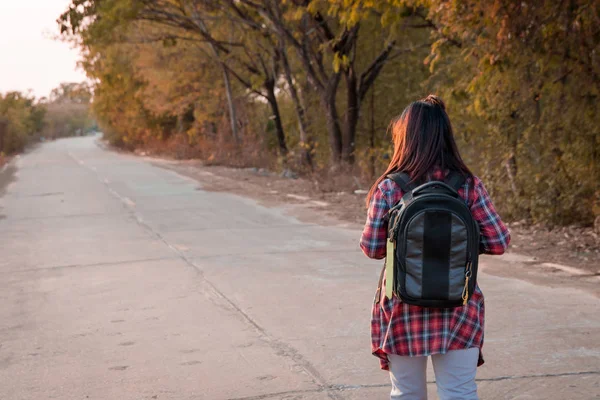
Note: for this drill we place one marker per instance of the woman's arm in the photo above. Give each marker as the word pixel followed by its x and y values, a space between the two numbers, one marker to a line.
pixel 374 236
pixel 495 236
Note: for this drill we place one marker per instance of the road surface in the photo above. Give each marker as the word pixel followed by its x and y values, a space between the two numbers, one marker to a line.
pixel 124 280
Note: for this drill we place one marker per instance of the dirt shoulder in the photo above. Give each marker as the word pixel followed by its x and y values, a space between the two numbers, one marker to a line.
pixel 312 202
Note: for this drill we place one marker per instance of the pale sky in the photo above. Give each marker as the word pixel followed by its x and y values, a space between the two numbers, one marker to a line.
pixel 29 57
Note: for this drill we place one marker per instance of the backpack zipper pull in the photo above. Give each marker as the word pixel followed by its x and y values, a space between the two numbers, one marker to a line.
pixel 465 293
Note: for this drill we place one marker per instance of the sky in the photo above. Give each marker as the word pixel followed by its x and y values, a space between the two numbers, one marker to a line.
pixel 30 59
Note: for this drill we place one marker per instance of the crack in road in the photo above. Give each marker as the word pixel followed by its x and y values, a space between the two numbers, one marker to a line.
pixel 100 264
pixel 532 376
pixel 65 216
pixel 280 348
pixel 346 388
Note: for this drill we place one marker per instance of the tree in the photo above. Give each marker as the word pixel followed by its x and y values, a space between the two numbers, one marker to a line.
pixel 528 71
pixel 198 21
pixel 72 92
pixel 324 35
pixel 68 110
pixel 21 119
pixel 109 19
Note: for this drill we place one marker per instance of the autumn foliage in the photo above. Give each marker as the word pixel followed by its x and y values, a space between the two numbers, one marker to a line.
pixel 311 85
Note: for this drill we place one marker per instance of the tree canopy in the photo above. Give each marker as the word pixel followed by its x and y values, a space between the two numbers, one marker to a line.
pixel 312 84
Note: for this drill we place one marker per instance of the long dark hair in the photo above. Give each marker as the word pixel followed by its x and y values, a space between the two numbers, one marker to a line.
pixel 423 140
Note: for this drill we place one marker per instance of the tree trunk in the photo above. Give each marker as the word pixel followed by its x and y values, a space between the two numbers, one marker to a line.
pixel 272 99
pixel 232 112
pixel 333 121
pixel 353 107
pixel 372 132
pixel 306 143
pixel 199 22
pixel 511 171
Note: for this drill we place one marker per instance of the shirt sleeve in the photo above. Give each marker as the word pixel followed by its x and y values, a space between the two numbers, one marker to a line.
pixel 374 236
pixel 495 236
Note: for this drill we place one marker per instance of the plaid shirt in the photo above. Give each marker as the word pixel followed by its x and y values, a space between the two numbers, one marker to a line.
pixel 408 330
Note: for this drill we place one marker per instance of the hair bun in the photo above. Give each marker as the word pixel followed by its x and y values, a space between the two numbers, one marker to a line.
pixel 434 100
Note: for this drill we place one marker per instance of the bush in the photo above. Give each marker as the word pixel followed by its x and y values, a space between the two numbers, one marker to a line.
pixel 21 119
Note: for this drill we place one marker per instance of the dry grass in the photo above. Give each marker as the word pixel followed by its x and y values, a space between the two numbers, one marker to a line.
pixel 212 151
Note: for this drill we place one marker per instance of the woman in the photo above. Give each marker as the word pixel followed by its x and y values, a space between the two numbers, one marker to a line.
pixel 403 335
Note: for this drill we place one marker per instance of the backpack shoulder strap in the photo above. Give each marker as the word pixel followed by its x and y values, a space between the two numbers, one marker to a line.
pixel 455 180
pixel 403 180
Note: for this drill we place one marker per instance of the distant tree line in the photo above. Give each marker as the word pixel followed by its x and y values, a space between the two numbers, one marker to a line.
pixel 312 84
pixel 25 119
pixel 68 111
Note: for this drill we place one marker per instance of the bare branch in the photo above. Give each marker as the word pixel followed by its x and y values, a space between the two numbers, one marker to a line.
pixel 430 24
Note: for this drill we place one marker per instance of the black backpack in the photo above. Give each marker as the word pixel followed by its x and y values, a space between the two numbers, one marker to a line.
pixel 435 244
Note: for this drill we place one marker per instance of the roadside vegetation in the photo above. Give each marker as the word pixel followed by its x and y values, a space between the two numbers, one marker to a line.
pixel 25 119
pixel 311 85
pixel 21 118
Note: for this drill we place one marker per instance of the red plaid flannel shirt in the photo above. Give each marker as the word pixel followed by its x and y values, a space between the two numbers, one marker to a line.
pixel 407 330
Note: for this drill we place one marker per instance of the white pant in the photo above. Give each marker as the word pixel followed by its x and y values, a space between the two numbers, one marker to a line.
pixel 454 375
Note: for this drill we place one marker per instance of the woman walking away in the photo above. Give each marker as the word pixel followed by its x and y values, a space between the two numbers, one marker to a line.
pixel 430 217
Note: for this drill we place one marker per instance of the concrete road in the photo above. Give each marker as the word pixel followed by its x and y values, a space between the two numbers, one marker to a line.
pixel 123 280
